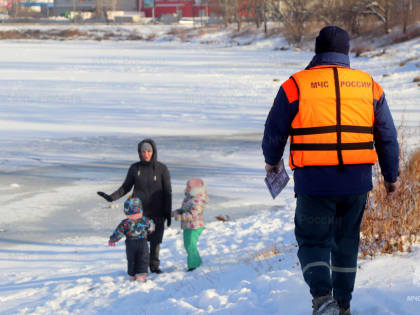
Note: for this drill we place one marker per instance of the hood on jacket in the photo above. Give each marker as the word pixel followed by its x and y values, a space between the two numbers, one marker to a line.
pixel 329 58
pixel 153 144
pixel 196 191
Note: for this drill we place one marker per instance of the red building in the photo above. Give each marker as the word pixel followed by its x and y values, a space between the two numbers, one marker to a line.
pixel 181 8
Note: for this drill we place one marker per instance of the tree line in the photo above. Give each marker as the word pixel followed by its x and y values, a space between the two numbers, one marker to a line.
pixel 300 17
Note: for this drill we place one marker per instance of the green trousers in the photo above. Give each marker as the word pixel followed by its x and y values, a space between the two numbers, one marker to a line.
pixel 191 237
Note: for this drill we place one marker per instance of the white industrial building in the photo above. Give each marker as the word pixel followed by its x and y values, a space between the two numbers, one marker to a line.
pixel 61 6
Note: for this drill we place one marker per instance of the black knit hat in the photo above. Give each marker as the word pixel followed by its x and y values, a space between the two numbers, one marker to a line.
pixel 332 39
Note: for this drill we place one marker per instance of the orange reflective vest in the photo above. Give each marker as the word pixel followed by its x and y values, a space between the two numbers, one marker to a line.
pixel 334 123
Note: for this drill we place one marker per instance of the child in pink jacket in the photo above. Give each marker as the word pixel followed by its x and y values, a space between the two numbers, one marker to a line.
pixel 191 217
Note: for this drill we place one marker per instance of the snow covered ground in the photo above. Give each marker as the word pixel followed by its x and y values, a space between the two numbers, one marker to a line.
pixel 71 114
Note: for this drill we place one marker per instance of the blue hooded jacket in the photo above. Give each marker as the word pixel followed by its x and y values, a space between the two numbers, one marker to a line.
pixel 331 180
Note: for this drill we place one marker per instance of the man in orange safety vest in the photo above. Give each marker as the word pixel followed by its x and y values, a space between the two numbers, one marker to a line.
pixel 339 124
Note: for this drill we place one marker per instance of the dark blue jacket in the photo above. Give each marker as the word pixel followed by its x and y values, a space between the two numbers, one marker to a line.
pixel 331 180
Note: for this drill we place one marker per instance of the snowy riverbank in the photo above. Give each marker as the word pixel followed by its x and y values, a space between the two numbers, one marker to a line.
pixel 250 267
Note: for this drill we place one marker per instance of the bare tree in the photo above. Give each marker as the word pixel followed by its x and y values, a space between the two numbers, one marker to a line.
pixel 264 12
pixel 236 8
pixel 295 19
pixel 406 8
pixel 274 8
pixel 226 9
pixel 354 13
pixel 103 6
pixel 99 9
pixel 296 16
pixel 15 8
pixel 261 11
pixel 254 10
pixel 330 11
pixel 382 11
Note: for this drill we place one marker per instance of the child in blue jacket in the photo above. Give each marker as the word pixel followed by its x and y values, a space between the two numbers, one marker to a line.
pixel 135 228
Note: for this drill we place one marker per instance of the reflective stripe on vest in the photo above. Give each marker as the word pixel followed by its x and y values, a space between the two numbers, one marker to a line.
pixel 334 123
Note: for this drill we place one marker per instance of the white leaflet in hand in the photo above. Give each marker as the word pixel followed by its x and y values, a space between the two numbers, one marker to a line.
pixel 277 181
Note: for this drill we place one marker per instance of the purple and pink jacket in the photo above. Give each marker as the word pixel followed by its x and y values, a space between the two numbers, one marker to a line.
pixel 191 211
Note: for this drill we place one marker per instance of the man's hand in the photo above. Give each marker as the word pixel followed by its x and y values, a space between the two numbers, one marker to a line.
pixel 176 215
pixel 390 188
pixel 168 221
pixel 105 196
pixel 152 227
pixel 111 243
pixel 269 167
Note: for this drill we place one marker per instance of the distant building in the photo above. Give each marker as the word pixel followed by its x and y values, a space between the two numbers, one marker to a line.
pixel 26 8
pixel 4 5
pixel 61 6
pixel 180 8
pixel 151 8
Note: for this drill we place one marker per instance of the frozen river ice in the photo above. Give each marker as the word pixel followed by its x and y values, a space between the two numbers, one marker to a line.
pixel 100 163
pixel 72 113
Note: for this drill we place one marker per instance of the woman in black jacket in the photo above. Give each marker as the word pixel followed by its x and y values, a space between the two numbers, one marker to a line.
pixel 152 184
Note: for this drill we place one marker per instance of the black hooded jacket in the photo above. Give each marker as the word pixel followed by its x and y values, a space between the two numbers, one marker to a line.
pixel 152 184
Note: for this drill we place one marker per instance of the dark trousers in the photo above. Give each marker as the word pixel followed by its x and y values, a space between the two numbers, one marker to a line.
pixel 155 239
pixel 327 230
pixel 137 251
pixel 154 261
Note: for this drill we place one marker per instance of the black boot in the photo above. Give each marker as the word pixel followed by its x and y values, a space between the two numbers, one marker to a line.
pixel 154 258
pixel 345 311
pixel 324 305
pixel 344 307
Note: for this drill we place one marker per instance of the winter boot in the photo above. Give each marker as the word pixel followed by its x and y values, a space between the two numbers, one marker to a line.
pixel 344 307
pixel 325 305
pixel 141 277
pixel 131 278
pixel 344 311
